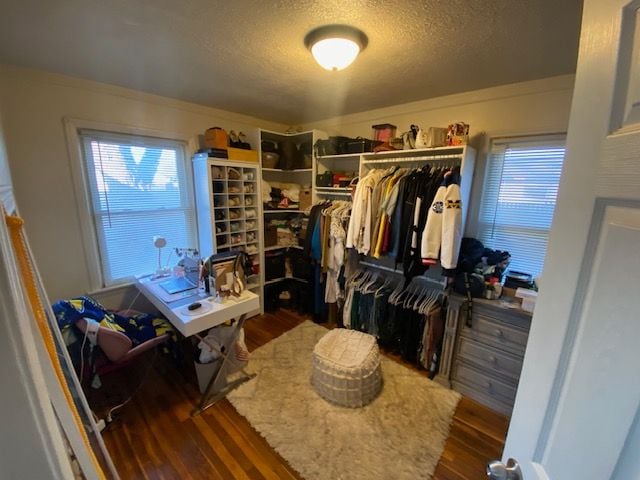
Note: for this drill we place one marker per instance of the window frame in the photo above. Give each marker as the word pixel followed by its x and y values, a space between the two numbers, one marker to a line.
pixel 537 140
pixel 90 241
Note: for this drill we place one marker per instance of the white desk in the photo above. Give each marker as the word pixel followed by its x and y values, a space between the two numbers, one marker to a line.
pixel 209 315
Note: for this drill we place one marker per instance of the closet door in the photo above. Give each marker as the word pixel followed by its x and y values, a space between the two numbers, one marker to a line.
pixel 577 409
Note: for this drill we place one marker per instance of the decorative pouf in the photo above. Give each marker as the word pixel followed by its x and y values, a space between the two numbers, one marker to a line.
pixel 346 368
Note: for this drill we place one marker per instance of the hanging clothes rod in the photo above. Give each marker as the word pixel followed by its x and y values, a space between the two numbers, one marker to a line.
pixel 325 192
pixel 400 272
pixel 414 159
pixel 382 267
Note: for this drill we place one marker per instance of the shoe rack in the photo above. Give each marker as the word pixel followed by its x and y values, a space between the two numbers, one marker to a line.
pixel 227 195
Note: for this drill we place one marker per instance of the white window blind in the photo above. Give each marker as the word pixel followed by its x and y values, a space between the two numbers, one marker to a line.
pixel 519 198
pixel 139 188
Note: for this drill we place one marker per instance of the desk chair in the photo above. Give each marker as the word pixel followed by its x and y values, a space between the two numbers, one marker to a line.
pixel 121 336
pixel 117 347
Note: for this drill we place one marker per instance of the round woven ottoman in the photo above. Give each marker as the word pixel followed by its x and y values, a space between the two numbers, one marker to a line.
pixel 346 368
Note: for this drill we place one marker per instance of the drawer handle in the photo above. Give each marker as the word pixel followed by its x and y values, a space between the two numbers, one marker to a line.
pixel 499 333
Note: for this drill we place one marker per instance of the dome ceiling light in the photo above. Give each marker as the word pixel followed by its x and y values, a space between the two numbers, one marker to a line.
pixel 335 47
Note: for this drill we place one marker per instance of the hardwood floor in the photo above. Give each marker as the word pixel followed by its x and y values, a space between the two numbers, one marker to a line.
pixel 155 437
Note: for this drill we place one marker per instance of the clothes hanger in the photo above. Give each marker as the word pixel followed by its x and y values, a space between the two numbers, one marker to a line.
pixel 397 291
pixel 410 296
pixel 356 277
pixel 423 294
pixel 387 281
pixel 370 283
pixel 363 278
pixel 428 302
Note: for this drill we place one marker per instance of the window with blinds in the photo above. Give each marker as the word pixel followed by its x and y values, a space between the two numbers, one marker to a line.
pixel 519 198
pixel 139 188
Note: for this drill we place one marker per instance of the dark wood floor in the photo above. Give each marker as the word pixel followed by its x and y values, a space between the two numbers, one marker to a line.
pixel 155 437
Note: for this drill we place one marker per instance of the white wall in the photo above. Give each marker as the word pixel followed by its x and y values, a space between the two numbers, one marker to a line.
pixel 30 440
pixel 540 106
pixel 34 105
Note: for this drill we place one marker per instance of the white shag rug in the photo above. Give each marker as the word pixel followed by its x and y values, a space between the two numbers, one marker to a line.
pixel 399 436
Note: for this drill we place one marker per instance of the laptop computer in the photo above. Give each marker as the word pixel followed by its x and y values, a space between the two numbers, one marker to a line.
pixel 190 280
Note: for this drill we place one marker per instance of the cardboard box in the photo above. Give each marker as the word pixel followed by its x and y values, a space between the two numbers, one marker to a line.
pixel 242 155
pixel 436 137
pixel 216 138
pixel 305 198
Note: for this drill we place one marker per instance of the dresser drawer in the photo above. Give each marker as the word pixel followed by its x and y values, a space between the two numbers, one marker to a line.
pixel 489 358
pixel 487 400
pixel 483 383
pixel 496 333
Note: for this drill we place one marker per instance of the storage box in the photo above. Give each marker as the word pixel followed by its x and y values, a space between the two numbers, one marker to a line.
pixel 242 155
pixel 436 137
pixel 305 198
pixel 458 134
pixel 216 137
pixel 528 297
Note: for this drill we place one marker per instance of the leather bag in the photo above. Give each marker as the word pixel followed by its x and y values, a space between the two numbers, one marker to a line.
pixel 290 157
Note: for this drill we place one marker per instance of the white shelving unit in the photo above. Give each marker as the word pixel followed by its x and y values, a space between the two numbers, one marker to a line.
pixel 295 170
pixel 458 156
pixel 462 156
pixel 334 163
pixel 228 209
pixel 305 177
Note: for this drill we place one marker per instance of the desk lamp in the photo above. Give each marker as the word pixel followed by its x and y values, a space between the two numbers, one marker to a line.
pixel 160 243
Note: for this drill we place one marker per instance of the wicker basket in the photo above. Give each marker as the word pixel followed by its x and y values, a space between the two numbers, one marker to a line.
pixel 346 368
pixel 270 159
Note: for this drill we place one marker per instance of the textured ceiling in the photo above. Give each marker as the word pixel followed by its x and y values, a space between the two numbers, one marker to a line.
pixel 248 56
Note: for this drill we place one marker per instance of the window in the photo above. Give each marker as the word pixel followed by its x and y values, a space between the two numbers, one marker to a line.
pixel 519 199
pixel 139 187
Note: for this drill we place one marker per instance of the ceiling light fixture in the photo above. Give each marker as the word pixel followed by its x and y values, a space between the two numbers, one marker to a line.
pixel 335 47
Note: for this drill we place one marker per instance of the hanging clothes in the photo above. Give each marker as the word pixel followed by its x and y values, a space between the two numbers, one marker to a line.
pixel 442 233
pixel 325 244
pixel 360 225
pixel 337 215
pixel 406 320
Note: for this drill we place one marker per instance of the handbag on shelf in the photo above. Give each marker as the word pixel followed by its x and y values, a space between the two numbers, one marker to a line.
pixel 360 145
pixel 331 146
pixel 289 155
pixel 324 179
